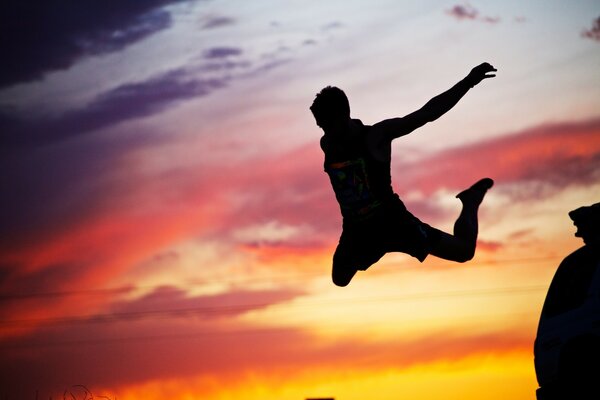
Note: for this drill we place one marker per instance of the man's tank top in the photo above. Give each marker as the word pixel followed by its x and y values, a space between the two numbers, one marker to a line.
pixel 361 183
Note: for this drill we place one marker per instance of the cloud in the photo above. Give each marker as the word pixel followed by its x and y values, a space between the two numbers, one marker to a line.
pixel 332 26
pixel 520 19
pixel 533 163
pixel 120 354
pixel 173 301
pixel 162 303
pixel 463 12
pixel 593 32
pixel 63 178
pixel 125 102
pixel 109 241
pixel 70 175
pixel 489 246
pixel 303 203
pixel 222 52
pixel 199 340
pixel 39 37
pixel 216 21
pixel 468 12
pixel 271 233
pixel 72 178
pixel 252 212
pixel 214 70
pixel 552 156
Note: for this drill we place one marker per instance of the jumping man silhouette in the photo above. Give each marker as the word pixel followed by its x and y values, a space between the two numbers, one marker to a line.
pixel 358 162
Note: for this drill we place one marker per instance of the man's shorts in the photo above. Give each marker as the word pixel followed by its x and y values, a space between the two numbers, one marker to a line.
pixel 391 229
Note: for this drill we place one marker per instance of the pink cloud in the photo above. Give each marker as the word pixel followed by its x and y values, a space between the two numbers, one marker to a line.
pixel 558 155
pixel 173 301
pixel 552 156
pixel 489 246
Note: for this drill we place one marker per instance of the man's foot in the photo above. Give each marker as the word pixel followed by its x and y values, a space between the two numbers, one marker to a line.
pixel 474 194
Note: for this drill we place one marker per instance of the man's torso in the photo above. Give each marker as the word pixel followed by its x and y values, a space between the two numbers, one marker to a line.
pixel 359 171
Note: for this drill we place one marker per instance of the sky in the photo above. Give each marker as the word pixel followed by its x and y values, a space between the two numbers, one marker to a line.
pixel 167 227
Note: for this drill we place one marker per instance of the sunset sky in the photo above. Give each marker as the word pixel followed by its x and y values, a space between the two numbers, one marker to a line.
pixel 166 227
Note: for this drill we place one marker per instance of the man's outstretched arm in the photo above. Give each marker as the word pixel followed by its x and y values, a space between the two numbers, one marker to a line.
pixel 434 108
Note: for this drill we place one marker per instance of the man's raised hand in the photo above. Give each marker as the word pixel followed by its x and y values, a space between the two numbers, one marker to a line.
pixel 480 72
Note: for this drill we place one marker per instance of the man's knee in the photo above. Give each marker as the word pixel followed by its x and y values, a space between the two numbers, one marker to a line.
pixel 342 276
pixel 341 281
pixel 465 254
pixel 454 249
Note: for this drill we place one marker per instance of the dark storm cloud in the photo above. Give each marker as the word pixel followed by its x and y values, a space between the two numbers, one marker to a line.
pixel 37 37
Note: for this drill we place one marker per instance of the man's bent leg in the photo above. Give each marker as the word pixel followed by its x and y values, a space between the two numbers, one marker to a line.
pixel 466 225
pixel 453 248
pixel 461 246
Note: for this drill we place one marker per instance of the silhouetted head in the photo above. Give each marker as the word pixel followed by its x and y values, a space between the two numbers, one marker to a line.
pixel 331 109
pixel 587 221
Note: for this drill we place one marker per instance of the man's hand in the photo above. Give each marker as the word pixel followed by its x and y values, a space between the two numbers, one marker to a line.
pixel 479 73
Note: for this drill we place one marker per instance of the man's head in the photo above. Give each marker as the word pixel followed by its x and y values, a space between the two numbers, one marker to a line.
pixel 587 221
pixel 331 109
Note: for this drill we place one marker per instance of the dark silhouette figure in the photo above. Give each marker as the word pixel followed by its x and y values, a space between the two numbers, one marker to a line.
pixel 567 346
pixel 357 160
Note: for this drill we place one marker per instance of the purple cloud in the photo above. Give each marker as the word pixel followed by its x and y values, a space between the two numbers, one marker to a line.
pixel 222 52
pixel 593 32
pixel 125 102
pixel 468 12
pixel 71 178
pixel 332 25
pixel 461 12
pixel 38 37
pixel 212 22
pixel 520 19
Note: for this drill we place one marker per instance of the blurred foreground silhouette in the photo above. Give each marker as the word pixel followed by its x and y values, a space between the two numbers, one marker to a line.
pixel 567 347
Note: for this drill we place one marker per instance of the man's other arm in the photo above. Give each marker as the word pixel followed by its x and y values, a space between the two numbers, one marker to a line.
pixel 390 129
